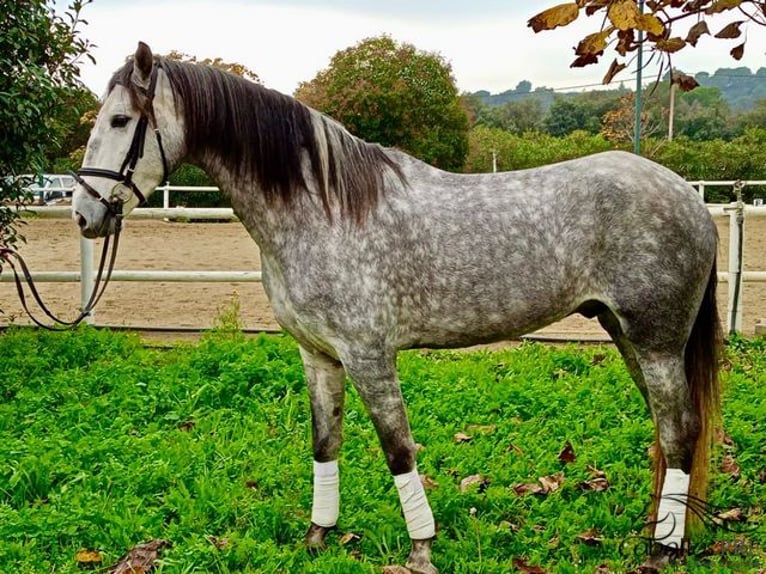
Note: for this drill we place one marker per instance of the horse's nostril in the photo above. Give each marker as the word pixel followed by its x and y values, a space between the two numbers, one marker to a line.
pixel 81 221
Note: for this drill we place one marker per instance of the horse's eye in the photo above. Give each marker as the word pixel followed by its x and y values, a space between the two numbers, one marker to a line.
pixel 120 121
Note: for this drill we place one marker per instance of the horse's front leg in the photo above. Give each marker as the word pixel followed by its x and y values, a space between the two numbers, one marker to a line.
pixel 324 377
pixel 378 386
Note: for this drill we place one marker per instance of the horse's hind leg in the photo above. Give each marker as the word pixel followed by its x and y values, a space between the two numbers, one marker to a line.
pixel 375 379
pixel 677 429
pixel 325 378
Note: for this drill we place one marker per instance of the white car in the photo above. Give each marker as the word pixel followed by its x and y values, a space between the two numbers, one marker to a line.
pixel 51 188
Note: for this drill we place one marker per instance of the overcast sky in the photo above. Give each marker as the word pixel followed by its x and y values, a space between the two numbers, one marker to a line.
pixel 285 42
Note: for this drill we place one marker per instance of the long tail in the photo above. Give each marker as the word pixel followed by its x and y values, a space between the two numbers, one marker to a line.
pixel 701 361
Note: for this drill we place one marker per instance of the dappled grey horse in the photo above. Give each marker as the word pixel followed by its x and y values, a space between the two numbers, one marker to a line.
pixel 366 251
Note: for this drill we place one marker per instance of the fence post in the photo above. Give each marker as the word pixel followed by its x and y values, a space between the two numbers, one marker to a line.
pixel 736 232
pixel 701 188
pixel 165 196
pixel 86 275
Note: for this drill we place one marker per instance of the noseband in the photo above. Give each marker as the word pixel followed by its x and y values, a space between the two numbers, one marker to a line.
pixel 136 151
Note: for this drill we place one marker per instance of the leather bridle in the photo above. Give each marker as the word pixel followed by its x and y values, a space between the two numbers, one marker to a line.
pixel 136 151
pixel 114 205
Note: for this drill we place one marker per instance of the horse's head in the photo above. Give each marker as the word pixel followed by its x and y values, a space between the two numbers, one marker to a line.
pixel 137 139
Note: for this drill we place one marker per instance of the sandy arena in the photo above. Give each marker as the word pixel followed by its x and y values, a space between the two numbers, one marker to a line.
pixel 53 245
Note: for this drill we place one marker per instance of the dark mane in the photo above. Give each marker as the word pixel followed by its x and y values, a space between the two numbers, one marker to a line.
pixel 261 134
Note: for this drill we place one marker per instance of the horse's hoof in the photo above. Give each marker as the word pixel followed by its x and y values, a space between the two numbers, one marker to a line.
pixel 315 537
pixel 419 560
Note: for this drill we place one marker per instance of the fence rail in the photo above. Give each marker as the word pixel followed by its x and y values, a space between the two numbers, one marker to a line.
pixel 734 277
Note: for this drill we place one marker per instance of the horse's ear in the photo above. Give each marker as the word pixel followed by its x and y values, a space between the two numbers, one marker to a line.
pixel 143 61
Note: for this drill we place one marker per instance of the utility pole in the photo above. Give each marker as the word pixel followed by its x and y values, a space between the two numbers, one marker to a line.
pixel 639 93
pixel 671 119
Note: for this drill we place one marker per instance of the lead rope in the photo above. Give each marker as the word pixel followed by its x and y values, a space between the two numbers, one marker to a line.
pixel 9 255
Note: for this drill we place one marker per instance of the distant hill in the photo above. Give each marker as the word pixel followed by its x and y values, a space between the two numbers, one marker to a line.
pixel 740 87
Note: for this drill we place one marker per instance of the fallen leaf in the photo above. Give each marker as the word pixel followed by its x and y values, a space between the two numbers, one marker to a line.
pixel 251 484
pixel 469 481
pixel 531 488
pixel 461 437
pixel 722 437
pixel 598 483
pixel 348 538
pixel 509 525
pixel 521 565
pixel 567 455
pixel 554 542
pixel 428 482
pixel 514 449
pixel 552 482
pixel 419 447
pixel 762 476
pixel 219 543
pixel 597 359
pixel 595 472
pixel 733 515
pixel 594 485
pixel 602 569
pixel 140 560
pixel 393 569
pixel 186 426
pixel 590 537
pixel 88 558
pixel 729 466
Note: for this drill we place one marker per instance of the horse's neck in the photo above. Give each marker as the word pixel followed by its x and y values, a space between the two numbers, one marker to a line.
pixel 269 224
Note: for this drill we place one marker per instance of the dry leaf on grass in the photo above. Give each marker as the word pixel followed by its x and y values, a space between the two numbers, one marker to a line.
pixel 393 569
pixel 482 429
pixel 548 484
pixel 348 538
pixel 140 560
pixel 428 482
pixel 88 558
pixel 730 466
pixel 733 515
pixel 219 543
pixel 521 565
pixel 590 537
pixel 461 437
pixel 475 479
pixel 598 483
pixel 567 454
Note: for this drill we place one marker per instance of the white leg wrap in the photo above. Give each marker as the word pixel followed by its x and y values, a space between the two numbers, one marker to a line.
pixel 671 515
pixel 417 512
pixel 326 504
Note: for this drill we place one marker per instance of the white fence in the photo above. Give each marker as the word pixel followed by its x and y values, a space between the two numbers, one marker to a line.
pixel 86 275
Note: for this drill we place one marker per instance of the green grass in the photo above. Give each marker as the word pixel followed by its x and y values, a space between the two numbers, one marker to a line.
pixel 105 444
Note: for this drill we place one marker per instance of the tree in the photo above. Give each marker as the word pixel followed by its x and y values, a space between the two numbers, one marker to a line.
pixel 395 95
pixel 234 67
pixel 40 52
pixel 624 27
pixel 618 125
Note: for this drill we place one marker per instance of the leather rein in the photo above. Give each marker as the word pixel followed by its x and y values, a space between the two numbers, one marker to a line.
pixel 114 205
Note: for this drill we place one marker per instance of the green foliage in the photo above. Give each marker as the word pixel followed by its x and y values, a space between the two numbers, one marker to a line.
pixel 105 444
pixel 531 149
pixel 39 52
pixel 395 95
